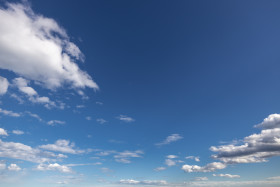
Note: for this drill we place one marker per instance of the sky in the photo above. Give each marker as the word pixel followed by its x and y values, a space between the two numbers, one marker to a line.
pixel 139 93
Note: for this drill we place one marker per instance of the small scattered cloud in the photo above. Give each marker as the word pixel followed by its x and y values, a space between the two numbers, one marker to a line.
pixel 55 122
pixel 3 132
pixel 101 121
pixel 14 167
pixel 80 106
pixel 144 182
pixel 170 139
pixel 226 175
pixel 125 156
pixel 9 113
pixel 54 167
pixel 200 179
pixel 99 103
pixel 63 146
pixel 4 85
pixel 88 118
pixel 171 156
pixel 18 132
pixel 160 168
pixel 208 168
pixel 170 162
pixel 125 118
pixel 196 158
pixel 276 178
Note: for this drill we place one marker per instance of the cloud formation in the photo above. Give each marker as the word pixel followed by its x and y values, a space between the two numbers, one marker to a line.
pixel 170 139
pixel 226 175
pixel 207 168
pixel 63 146
pixel 54 167
pixel 125 118
pixel 253 148
pixel 39 49
pixel 3 132
pixel 4 85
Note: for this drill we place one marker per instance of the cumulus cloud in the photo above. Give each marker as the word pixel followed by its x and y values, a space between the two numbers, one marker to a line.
pixel 17 132
pixel 9 113
pixel 226 175
pixel 170 139
pixel 24 152
pixel 253 148
pixel 39 49
pixel 125 118
pixel 4 84
pixel 63 146
pixel 170 162
pixel 207 168
pixel 271 122
pixel 3 132
pixel 54 167
pixel 14 167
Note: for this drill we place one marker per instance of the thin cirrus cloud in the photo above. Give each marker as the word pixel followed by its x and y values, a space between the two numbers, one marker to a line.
pixel 39 49
pixel 9 113
pixel 226 175
pixel 125 118
pixel 170 139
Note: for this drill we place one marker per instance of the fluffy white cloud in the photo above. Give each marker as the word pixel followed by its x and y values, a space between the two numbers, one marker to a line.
pixel 3 132
pixel 170 162
pixel 23 152
pixel 55 122
pixel 9 113
pixel 170 139
pixel 125 118
pixel 255 148
pixel 63 146
pixel 38 49
pixel 171 156
pixel 54 167
pixel 226 175
pixel 18 132
pixel 4 84
pixel 208 168
pixel 14 167
pixel 271 122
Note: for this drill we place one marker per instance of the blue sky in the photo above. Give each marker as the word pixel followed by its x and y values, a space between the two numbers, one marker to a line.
pixel 139 93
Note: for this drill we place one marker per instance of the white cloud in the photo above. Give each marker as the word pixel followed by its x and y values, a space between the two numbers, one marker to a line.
pixel 160 168
pixel 54 167
pixel 226 176
pixel 171 156
pixel 38 49
pixel 2 166
pixel 4 84
pixel 9 113
pixel 14 167
pixel 196 158
pixel 170 139
pixel 271 122
pixel 106 170
pixel 101 121
pixel 3 132
pixel 125 156
pixel 88 118
pixel 200 179
pixel 144 182
pixel 125 118
pixel 18 132
pixel 55 122
pixel 274 178
pixel 34 115
pixel 80 106
pixel 208 168
pixel 63 146
pixel 99 103
pixel 23 152
pixel 170 162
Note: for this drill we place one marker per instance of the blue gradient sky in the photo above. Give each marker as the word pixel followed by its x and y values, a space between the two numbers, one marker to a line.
pixel 175 78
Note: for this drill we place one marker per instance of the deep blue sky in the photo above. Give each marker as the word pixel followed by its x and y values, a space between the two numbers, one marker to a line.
pixel 205 70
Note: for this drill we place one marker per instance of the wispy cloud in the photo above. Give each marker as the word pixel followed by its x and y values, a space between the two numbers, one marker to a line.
pixel 55 122
pixel 3 132
pixel 18 132
pixel 101 120
pixel 125 118
pixel 63 146
pixel 170 139
pixel 9 113
pixel 226 175
pixel 54 167
pixel 4 85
